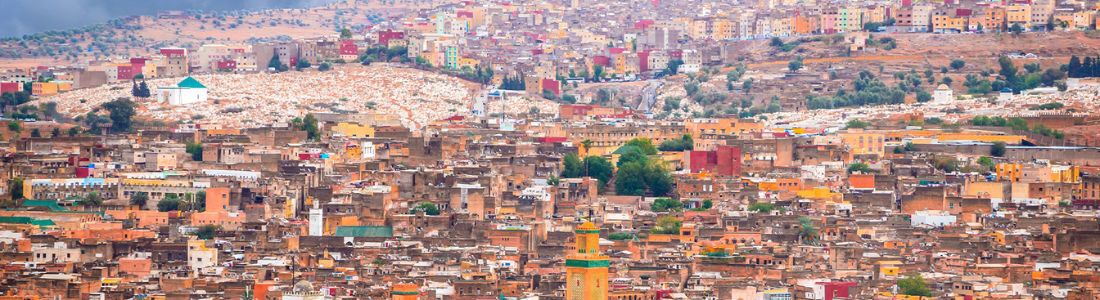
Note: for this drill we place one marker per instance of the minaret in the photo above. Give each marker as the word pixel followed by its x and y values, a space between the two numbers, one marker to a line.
pixel 586 269
pixel 316 220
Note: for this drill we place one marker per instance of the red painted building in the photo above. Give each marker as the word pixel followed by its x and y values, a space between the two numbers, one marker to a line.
pixel 551 85
pixel 227 65
pixel 384 37
pixel 601 60
pixel 137 64
pixel 724 161
pixel 173 52
pixel 125 72
pixel 10 87
pixel 348 47
pixel 552 139
pixel 643 61
pixel 837 289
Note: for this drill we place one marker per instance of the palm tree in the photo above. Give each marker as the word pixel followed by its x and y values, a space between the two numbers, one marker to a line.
pixel 91 200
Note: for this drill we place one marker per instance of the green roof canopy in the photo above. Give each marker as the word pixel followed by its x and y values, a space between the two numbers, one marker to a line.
pixel 365 231
pixel 48 204
pixel 27 220
pixel 190 82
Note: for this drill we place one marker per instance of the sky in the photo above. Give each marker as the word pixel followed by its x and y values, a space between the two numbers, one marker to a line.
pixel 19 17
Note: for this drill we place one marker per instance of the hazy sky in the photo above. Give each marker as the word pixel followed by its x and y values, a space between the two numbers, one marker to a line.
pixel 19 17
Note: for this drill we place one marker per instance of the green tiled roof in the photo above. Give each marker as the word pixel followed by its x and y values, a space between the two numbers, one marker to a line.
pixel 190 83
pixel 626 148
pixel 364 231
pixel 49 204
pixel 27 220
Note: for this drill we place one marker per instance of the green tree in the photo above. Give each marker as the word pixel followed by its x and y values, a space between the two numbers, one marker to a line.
pixel 572 166
pixel 207 232
pixel 856 123
pixel 195 149
pixel 1016 29
pixel 171 202
pixel 302 64
pixel 599 168
pixel 139 199
pixel 121 112
pixel 859 167
pixel 199 202
pixel 998 149
pixel 630 180
pixel 345 33
pixel 795 64
pixel 958 64
pixel 684 143
pixel 16 185
pixel 73 131
pixel 143 90
pixel 325 66
pixel 807 232
pixel 427 207
pixel 667 225
pixel 14 126
pixel 644 144
pixel 91 200
pixel 986 162
pixel 658 180
pixel 275 64
pixel 913 285
pixel 762 207
pixel 309 125
pixel 666 204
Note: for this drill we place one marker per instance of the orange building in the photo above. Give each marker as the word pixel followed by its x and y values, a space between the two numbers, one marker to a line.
pixel 586 270
pixel 137 267
pixel 862 181
pixel 217 204
pixel 405 291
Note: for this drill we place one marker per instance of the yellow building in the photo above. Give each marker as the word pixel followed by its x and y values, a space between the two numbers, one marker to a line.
pixel 698 127
pixel 1009 172
pixel 1018 14
pixel 723 29
pixel 353 130
pixel 468 63
pixel 44 88
pixel 586 270
pixel 889 269
pixel 864 143
pixel 1014 172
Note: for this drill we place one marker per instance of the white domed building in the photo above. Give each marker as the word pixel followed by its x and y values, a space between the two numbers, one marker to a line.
pixel 303 290
pixel 943 94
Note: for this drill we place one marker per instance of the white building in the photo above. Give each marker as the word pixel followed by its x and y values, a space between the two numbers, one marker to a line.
pixel 943 94
pixel 928 219
pixel 199 256
pixel 186 92
pixel 58 252
pixel 316 220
